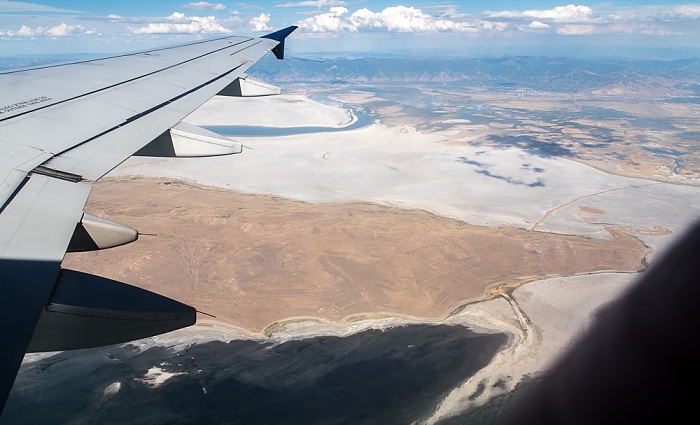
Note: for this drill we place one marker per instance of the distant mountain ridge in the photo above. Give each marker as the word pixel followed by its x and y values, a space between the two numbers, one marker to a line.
pixel 561 75
pixel 558 75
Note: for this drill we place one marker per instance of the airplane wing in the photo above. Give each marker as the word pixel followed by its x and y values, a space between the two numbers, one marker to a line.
pixel 65 126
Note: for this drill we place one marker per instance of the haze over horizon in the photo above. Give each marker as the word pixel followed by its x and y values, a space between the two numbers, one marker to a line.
pixel 622 28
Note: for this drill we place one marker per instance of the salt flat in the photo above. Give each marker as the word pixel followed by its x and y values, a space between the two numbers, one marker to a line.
pixel 399 166
pixel 289 110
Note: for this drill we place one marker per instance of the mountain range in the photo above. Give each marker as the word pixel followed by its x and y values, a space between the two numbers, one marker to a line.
pixel 545 74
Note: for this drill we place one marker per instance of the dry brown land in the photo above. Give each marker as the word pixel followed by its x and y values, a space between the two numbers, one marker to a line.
pixel 255 259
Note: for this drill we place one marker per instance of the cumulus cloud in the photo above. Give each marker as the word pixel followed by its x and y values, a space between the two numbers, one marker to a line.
pixel 260 23
pixel 326 22
pixel 64 29
pixel 564 20
pixel 583 20
pixel 569 13
pixel 204 5
pixel 537 25
pixel 61 30
pixel 393 19
pixel 179 23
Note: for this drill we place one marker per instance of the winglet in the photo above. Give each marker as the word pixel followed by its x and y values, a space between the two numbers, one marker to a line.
pixel 279 36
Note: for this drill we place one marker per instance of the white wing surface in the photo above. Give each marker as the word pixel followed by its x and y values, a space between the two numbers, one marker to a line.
pixel 65 126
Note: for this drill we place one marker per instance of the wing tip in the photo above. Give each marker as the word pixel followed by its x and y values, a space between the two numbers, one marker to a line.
pixel 280 35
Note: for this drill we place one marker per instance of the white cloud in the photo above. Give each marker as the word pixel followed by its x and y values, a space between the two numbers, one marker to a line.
pixel 25 31
pixel 204 5
pixel 562 13
pixel 260 23
pixel 538 25
pixel 393 19
pixel 327 22
pixel 582 20
pixel 61 30
pixel 569 13
pixel 179 23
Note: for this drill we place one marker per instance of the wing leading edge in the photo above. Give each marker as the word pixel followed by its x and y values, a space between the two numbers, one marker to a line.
pixel 64 126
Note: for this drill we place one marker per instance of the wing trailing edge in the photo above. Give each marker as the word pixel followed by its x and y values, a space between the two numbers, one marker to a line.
pixel 90 311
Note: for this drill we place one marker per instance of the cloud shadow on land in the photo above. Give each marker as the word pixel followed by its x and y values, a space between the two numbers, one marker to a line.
pixel 538 183
pixel 395 375
pixel 483 169
pixel 533 146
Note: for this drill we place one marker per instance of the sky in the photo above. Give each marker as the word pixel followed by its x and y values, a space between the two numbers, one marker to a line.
pixel 624 28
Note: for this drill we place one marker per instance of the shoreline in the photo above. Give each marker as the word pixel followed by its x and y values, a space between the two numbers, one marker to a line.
pixel 494 315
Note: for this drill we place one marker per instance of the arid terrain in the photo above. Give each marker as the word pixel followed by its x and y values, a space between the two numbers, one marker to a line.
pixel 254 260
